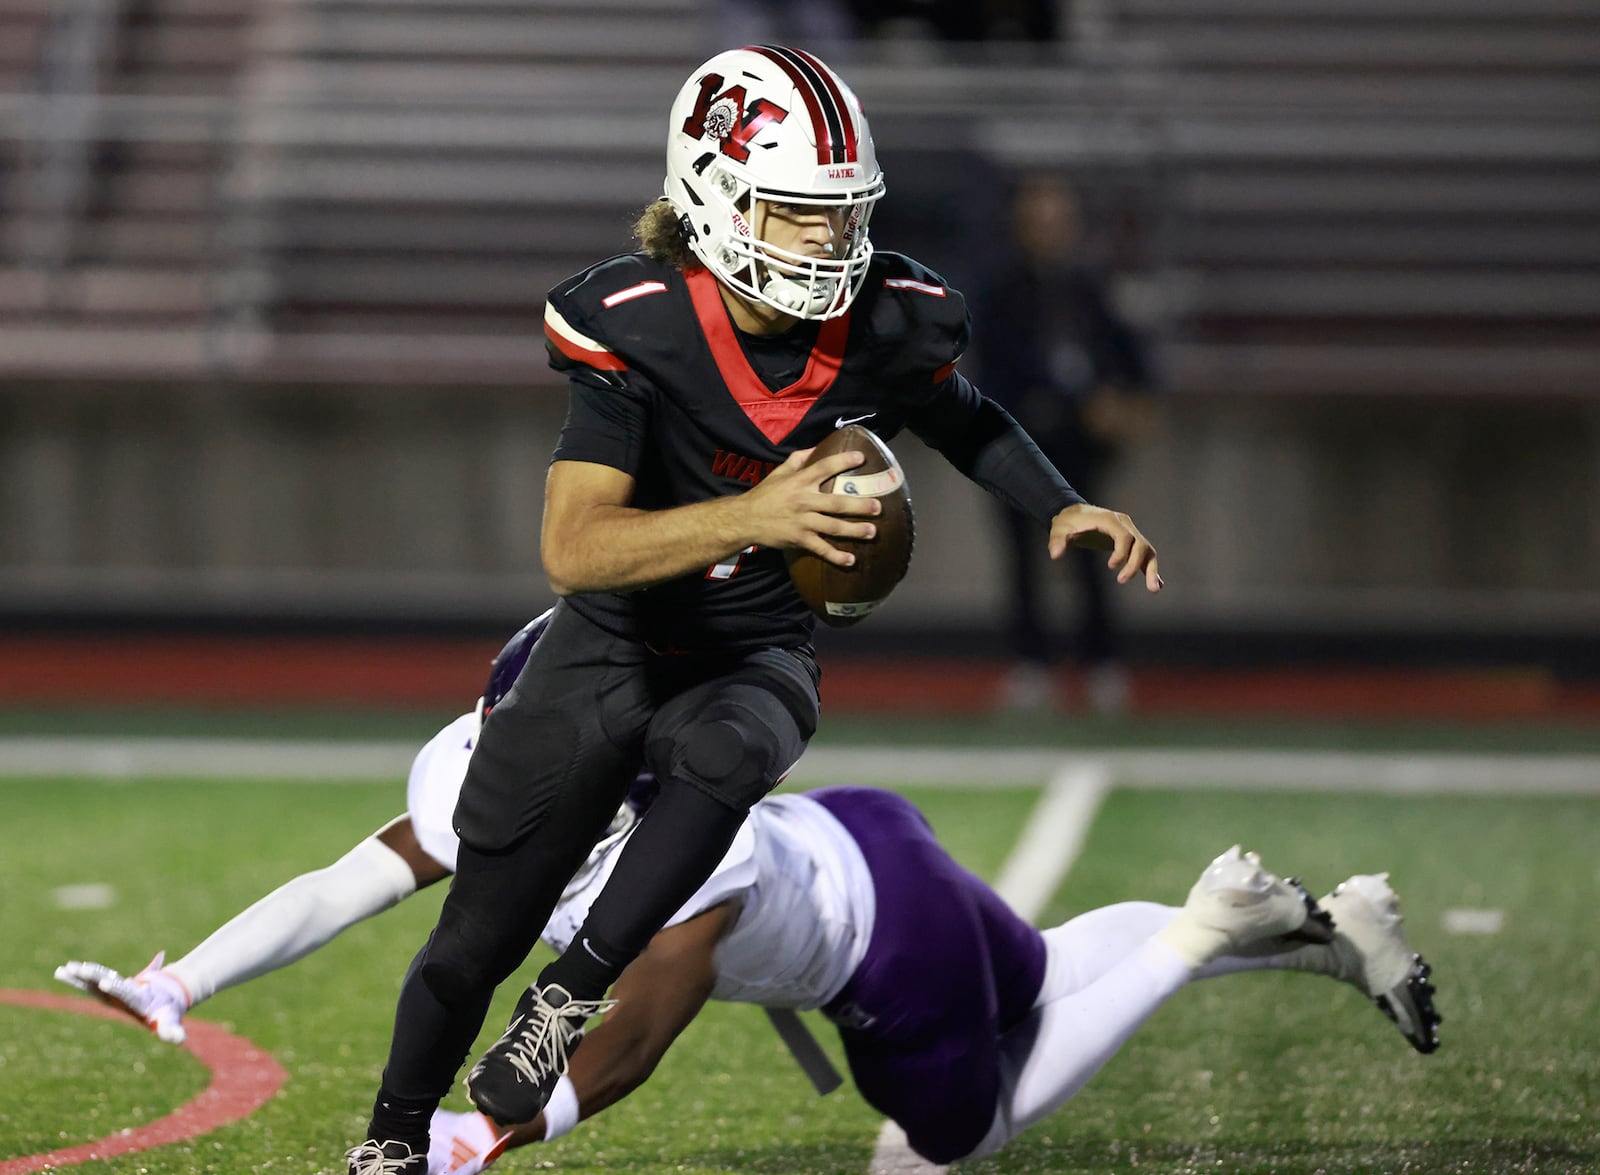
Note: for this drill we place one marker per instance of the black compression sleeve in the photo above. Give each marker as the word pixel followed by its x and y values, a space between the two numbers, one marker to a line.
pixel 980 439
pixel 1011 467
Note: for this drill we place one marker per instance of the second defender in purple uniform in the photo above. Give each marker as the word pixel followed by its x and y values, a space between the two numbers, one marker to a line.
pixel 702 370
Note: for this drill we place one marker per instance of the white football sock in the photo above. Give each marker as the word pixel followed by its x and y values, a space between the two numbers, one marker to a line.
pixel 1106 973
pixel 1083 949
pixel 296 918
pixel 458 1143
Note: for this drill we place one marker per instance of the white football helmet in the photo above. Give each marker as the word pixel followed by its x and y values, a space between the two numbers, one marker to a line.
pixel 775 124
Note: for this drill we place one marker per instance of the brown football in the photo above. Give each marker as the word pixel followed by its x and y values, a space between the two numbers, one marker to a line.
pixel 841 596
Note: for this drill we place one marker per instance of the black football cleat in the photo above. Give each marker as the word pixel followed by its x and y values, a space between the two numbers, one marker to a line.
pixel 517 1074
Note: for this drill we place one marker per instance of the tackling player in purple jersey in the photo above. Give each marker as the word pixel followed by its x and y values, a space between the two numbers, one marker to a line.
pixel 960 1021
pixel 702 371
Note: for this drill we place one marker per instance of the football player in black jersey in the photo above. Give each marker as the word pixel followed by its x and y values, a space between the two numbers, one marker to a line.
pixel 755 320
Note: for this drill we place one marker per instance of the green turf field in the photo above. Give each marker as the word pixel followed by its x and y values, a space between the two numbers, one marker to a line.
pixel 1256 1073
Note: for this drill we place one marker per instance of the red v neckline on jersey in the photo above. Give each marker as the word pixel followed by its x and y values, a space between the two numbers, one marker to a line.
pixel 774 413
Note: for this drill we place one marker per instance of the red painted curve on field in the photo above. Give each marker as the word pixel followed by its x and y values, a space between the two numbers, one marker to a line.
pixel 243 1078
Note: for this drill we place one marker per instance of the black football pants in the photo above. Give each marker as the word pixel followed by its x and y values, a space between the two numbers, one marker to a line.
pixel 552 764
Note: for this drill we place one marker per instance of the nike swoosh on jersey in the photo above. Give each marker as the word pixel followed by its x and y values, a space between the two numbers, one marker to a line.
pixel 840 421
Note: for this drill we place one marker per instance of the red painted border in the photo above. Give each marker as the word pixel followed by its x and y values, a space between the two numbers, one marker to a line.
pixel 446 674
pixel 243 1078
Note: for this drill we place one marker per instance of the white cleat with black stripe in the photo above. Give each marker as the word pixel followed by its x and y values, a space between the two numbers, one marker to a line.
pixel 1370 951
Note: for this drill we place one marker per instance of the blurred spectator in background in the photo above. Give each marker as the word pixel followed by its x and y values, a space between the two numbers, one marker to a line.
pixel 962 20
pixel 1076 375
pixel 831 23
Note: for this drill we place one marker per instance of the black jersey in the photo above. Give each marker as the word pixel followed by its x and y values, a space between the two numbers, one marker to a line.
pixel 663 389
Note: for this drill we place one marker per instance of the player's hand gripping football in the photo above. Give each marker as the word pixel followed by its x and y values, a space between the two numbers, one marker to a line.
pixel 1084 525
pixel 789 511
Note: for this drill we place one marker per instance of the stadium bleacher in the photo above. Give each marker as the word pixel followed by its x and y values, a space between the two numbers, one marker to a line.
pixel 1379 197
pixel 113 212
pixel 1361 196
pixel 420 173
pixel 22 33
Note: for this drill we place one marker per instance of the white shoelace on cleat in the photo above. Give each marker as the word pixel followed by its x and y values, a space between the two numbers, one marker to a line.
pixel 542 1048
pixel 369 1159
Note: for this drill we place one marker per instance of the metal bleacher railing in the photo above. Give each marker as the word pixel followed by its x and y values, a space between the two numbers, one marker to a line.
pixel 1348 196
pixel 116 130
pixel 1383 197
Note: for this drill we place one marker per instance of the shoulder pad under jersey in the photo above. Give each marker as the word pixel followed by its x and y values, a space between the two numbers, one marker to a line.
pixel 595 318
pixel 917 318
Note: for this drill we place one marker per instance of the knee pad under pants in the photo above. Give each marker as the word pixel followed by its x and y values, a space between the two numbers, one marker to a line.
pixel 733 745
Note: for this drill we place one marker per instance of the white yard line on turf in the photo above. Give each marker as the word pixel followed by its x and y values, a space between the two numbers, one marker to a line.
pixel 892 1154
pixel 207 758
pixel 1052 838
pixel 1049 844
pixel 1173 767
pixel 1422 772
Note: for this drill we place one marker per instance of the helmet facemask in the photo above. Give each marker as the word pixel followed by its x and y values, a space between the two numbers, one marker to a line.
pixel 796 284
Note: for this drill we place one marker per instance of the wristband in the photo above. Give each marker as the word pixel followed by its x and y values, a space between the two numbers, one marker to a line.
pixel 561 1111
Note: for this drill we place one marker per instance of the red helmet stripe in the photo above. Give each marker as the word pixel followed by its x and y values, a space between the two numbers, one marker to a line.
pixel 813 98
pixel 845 120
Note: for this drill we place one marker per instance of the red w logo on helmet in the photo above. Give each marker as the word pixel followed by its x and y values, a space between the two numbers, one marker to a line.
pixel 725 117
